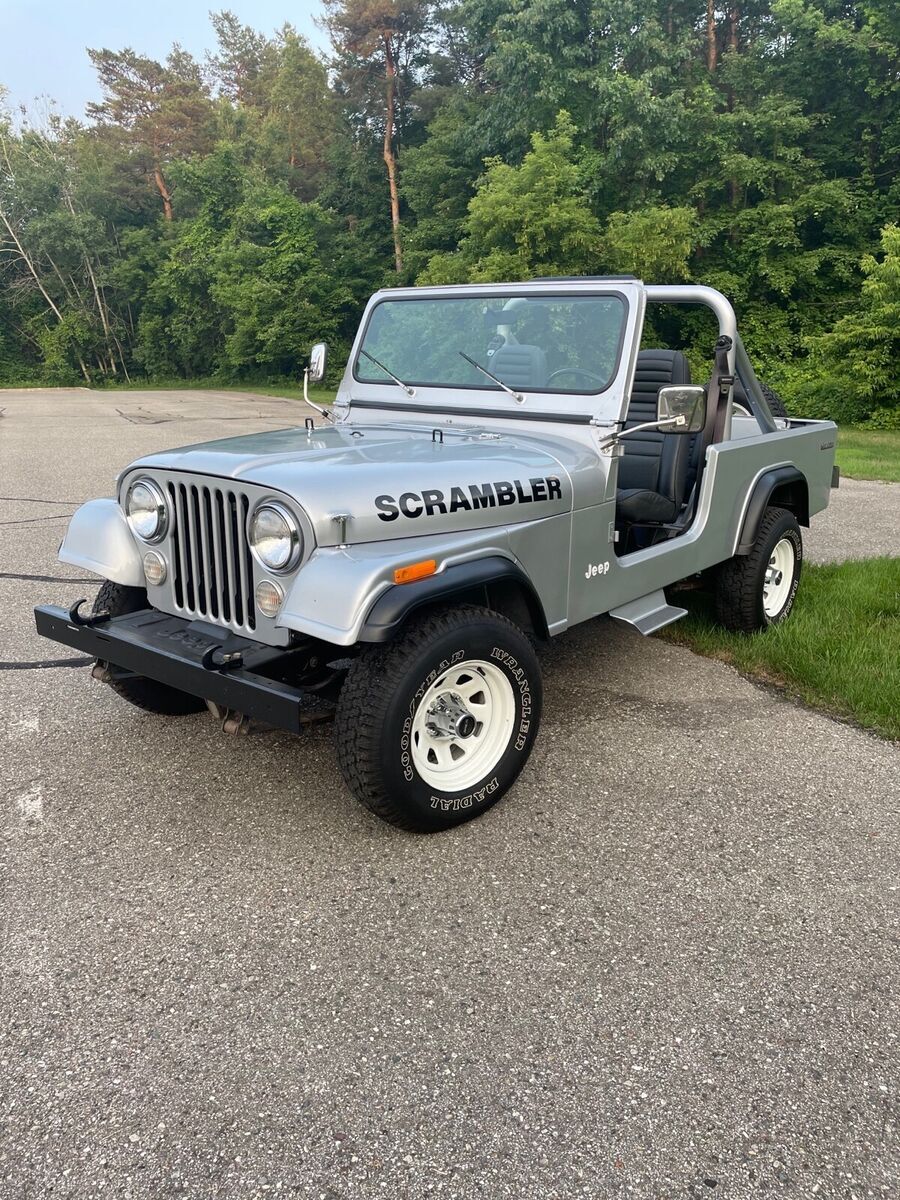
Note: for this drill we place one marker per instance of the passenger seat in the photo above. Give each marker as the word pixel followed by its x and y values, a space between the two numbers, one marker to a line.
pixel 653 471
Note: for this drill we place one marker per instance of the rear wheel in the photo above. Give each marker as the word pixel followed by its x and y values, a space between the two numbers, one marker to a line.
pixel 756 590
pixel 432 729
pixel 117 600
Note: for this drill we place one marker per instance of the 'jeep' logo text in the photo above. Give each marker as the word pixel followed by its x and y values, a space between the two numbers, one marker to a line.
pixel 483 495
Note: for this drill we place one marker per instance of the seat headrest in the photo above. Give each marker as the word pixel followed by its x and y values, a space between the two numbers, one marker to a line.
pixel 520 365
pixel 660 368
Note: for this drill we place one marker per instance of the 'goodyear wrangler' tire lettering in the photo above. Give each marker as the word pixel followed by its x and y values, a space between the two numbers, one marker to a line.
pixel 741 581
pixel 384 691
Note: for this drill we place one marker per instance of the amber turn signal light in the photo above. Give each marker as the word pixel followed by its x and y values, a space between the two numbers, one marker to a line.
pixel 419 570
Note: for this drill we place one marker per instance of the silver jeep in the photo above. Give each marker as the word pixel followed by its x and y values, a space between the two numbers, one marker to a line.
pixel 501 462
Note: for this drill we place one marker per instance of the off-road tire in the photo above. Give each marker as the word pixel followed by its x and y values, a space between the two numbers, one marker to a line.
pixel 740 582
pixel 386 693
pixel 775 402
pixel 117 600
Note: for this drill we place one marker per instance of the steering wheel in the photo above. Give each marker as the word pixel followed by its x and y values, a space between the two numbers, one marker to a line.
pixel 589 375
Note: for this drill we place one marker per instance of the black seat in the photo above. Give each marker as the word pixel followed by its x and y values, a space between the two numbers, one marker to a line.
pixel 520 366
pixel 653 472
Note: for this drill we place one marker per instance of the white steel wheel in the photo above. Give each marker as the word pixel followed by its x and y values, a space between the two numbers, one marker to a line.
pixel 779 577
pixel 462 726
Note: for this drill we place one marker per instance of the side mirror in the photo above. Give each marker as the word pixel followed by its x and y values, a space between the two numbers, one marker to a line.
pixel 687 402
pixel 318 359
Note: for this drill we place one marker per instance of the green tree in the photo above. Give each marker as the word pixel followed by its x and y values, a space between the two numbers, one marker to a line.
pixel 301 117
pixel 57 255
pixel 748 144
pixel 245 64
pixel 527 220
pixel 859 359
pixel 247 281
pixel 273 283
pixel 653 243
pixel 383 38
pixel 529 59
pixel 159 112
pixel 439 178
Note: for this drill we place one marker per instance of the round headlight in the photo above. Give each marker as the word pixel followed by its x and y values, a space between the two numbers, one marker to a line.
pixel 275 537
pixel 146 511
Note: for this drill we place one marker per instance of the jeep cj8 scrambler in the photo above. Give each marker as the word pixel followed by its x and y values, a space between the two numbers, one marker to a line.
pixel 501 462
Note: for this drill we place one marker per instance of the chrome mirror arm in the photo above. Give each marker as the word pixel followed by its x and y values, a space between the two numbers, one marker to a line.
pixel 323 412
pixel 613 438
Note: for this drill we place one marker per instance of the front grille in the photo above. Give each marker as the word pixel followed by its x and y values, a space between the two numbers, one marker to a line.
pixel 212 567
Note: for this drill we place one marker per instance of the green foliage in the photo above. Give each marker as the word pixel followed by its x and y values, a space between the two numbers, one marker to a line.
pixel 244 288
pixel 653 243
pixel 271 282
pixel 859 356
pixel 438 180
pixel 527 220
pixel 156 112
pixel 214 220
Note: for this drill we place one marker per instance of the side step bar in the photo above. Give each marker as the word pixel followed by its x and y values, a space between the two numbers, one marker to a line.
pixel 648 613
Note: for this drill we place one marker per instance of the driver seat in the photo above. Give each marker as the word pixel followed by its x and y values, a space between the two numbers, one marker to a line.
pixel 520 366
pixel 653 471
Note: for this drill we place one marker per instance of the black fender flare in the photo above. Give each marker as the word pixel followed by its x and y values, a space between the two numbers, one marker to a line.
pixel 760 499
pixel 393 607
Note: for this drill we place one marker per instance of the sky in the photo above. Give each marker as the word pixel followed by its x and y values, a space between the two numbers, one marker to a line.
pixel 43 42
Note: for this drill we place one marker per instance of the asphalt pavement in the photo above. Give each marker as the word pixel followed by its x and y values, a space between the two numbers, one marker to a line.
pixel 665 965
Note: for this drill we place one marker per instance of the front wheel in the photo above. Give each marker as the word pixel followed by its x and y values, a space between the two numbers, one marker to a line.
pixel 756 590
pixel 433 728
pixel 148 694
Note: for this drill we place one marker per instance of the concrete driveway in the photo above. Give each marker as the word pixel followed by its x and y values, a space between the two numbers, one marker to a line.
pixel 664 966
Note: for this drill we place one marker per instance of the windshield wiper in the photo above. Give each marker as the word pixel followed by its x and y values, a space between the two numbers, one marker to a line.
pixel 399 382
pixel 478 367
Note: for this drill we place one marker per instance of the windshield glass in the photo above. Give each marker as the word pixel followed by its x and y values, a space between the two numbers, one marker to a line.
pixel 543 343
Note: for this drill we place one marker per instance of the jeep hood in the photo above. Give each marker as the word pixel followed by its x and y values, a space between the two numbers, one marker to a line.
pixel 393 481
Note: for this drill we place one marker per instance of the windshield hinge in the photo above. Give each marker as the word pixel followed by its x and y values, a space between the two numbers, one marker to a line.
pixel 341 519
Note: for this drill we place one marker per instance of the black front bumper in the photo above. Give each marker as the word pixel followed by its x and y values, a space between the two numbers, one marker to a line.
pixel 205 662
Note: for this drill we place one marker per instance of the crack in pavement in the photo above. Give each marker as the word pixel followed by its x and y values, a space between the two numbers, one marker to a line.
pixel 35 520
pixel 44 578
pixel 137 418
pixel 42 665
pixel 36 500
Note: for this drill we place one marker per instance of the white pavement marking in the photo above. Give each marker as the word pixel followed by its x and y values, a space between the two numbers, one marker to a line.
pixel 31 803
pixel 24 727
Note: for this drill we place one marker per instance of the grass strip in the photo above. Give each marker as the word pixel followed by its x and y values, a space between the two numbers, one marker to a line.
pixel 869 453
pixel 838 651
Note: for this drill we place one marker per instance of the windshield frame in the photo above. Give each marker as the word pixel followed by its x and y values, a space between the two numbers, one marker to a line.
pixel 515 292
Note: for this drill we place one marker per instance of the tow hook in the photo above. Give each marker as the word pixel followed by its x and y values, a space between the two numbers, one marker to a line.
pixel 76 618
pixel 227 661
